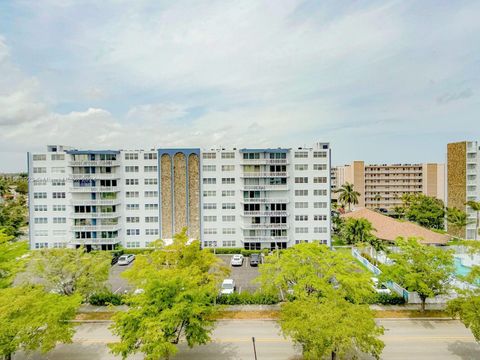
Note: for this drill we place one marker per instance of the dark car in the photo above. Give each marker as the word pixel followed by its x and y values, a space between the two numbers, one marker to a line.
pixel 254 259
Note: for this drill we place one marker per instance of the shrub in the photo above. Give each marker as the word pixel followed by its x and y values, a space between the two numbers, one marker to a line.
pixel 388 299
pixel 106 298
pixel 246 298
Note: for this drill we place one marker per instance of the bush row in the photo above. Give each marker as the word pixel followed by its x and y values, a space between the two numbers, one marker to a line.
pixel 387 299
pixel 106 298
pixel 229 251
pixel 246 298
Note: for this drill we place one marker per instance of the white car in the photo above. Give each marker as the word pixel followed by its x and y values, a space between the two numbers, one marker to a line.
pixel 237 260
pixel 126 259
pixel 228 287
pixel 380 288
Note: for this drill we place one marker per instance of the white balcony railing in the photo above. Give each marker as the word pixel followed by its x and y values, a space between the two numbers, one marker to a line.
pixel 265 213
pixel 95 215
pixel 96 241
pixel 96 227
pixel 264 162
pixel 264 174
pixel 95 202
pixel 94 163
pixel 265 226
pixel 96 176
pixel 264 200
pixel 85 189
pixel 266 238
pixel 266 187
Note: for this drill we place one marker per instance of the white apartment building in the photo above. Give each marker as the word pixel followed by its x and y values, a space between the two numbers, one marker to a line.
pixel 248 198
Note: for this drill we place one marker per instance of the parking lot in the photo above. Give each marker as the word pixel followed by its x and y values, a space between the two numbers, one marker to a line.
pixel 118 284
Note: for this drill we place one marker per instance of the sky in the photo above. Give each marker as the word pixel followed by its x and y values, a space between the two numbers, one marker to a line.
pixel 382 81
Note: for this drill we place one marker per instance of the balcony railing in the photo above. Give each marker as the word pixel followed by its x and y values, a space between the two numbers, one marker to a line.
pixel 96 241
pixel 265 226
pixel 264 200
pixel 253 174
pixel 266 187
pixel 264 162
pixel 84 189
pixel 94 163
pixel 96 227
pixel 95 202
pixel 265 213
pixel 95 215
pixel 96 176
pixel 265 238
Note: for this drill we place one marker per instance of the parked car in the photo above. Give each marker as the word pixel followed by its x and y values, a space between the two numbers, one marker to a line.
pixel 228 287
pixel 126 259
pixel 380 288
pixel 254 259
pixel 115 258
pixel 237 260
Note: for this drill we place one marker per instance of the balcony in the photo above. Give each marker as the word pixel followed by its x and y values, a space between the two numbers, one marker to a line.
pixel 96 227
pixel 95 202
pixel 264 200
pixel 264 174
pixel 96 241
pixel 87 189
pixel 265 226
pixel 94 163
pixel 264 161
pixel 265 213
pixel 266 187
pixel 265 238
pixel 95 215
pixel 96 176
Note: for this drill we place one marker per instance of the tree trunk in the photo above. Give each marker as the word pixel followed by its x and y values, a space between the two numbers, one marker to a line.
pixel 423 304
pixel 334 355
pixel 7 357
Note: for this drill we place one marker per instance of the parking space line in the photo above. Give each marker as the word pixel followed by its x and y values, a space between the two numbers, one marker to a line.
pixel 117 290
pixel 240 290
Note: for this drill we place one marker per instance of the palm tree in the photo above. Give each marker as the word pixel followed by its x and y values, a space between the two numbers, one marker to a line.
pixel 356 231
pixel 475 206
pixel 348 195
pixel 457 218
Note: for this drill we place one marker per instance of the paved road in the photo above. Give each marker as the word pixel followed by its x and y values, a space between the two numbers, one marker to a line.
pixel 405 339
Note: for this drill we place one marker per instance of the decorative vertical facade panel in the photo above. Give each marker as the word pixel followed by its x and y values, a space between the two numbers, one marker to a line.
pixel 166 196
pixel 180 191
pixel 457 180
pixel 194 196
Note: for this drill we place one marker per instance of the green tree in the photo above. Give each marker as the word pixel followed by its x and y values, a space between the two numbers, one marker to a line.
pixel 31 319
pixel 475 206
pixel 13 216
pixel 21 186
pixel 420 268
pixel 377 245
pixel 399 211
pixel 11 261
pixel 331 327
pixel 458 220
pixel 348 195
pixel 425 210
pixel 69 271
pixel 356 231
pixel 180 283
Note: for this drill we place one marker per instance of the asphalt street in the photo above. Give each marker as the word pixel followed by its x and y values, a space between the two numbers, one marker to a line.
pixel 232 340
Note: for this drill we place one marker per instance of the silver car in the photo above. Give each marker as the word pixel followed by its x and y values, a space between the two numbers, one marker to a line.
pixel 126 259
pixel 237 260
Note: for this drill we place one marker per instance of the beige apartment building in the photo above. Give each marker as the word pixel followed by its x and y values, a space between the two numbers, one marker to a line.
pixel 382 185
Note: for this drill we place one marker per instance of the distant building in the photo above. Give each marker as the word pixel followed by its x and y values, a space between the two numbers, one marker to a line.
pixel 463 181
pixel 382 186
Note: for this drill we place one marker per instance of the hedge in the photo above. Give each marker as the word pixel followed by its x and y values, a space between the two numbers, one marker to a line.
pixel 106 298
pixel 387 299
pixel 246 298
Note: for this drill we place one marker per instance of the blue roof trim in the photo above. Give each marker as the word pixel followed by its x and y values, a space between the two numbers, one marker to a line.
pixel 279 150
pixel 87 152
pixel 186 151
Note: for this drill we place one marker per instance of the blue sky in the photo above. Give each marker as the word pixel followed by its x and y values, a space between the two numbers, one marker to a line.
pixel 382 81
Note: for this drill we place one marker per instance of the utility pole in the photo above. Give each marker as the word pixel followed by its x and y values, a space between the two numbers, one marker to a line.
pixel 254 347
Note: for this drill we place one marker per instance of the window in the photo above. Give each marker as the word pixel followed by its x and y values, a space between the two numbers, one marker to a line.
pixel 58 157
pixel 301 205
pixel 131 168
pixel 39 195
pixel 321 192
pixel 40 208
pixel 133 232
pixel 39 157
pixel 319 166
pixel 208 193
pixel 41 221
pixel 228 231
pixel 228 206
pixel 301 154
pixel 320 180
pixel 59 245
pixel 151 194
pixel 41 232
pixel 319 154
pixel 301 192
pixel 228 167
pixel 39 170
pixel 41 245
pixel 210 218
pixel 131 156
pixel 59 207
pixel 59 232
pixel 151 219
pixel 301 230
pixel 300 241
pixel 210 231
pixel 133 219
pixel 301 167
pixel 59 220
pixel 132 244
pixel 226 181
pixel 301 180
pixel 209 206
pixel 151 231
pixel 58 195
pixel 58 170
pixel 209 168
pixel 209 181
pixel 210 244
pixel 228 192
pixel 132 194
pixel 151 206
pixel 228 218
pixel 152 181
pixel 320 217
pixel 131 181
pixel 133 206
pixel 320 230
pixel 209 156
pixel 149 168
pixel 320 205
pixel 229 243
pixel 228 155
pixel 39 182
pixel 150 156
pixel 58 182
pixel 301 217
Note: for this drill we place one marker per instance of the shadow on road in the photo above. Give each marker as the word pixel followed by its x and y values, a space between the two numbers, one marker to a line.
pixel 210 351
pixel 465 350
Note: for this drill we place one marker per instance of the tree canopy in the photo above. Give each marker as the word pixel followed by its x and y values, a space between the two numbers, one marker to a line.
pixel 420 268
pixel 355 231
pixel 425 210
pixel 11 261
pixel 179 283
pixel 457 221
pixel 348 195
